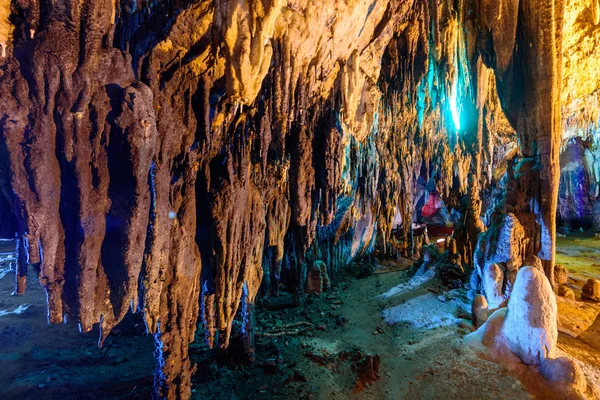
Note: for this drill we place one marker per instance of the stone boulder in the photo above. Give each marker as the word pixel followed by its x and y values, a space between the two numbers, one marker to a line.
pixel 565 371
pixel 566 292
pixel 592 334
pixel 479 311
pixel 318 280
pixel 561 275
pixel 530 329
pixel 493 279
pixel 591 290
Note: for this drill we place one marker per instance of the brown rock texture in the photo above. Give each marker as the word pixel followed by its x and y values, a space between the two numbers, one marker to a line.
pixel 479 311
pixel 561 275
pixel 566 292
pixel 592 334
pixel 591 290
pixel 170 158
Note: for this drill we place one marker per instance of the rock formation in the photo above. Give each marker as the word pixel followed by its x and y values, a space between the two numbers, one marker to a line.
pixel 480 310
pixel 168 158
pixel 530 325
pixel 591 290
pixel 523 337
pixel 565 371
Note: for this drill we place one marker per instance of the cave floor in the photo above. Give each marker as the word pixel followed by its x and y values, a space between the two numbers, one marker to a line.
pixel 417 332
pixel 41 361
pixel 421 358
pixel 422 355
pixel 580 254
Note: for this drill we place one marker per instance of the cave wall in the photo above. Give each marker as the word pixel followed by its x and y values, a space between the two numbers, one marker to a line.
pixel 173 157
pixel 580 149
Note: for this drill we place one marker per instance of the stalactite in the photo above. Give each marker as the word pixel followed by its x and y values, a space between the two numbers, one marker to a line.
pixel 154 154
pixel 6 27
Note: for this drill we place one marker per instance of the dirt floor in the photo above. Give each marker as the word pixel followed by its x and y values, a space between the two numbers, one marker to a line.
pixel 580 254
pixel 41 361
pixel 425 362
pixel 416 331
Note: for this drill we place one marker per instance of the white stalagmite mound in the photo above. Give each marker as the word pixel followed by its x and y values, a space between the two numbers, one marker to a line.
pixel 530 328
pixel 523 336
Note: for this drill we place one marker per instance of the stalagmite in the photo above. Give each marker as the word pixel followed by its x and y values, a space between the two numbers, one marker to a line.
pixel 530 324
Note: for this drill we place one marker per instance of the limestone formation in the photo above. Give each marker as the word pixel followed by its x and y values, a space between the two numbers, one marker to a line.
pixel 530 326
pixel 505 242
pixel 479 311
pixel 493 278
pixel 561 275
pixel 592 334
pixel 317 281
pixel 170 158
pixel 566 292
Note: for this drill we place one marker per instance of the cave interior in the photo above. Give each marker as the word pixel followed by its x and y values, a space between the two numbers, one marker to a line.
pixel 314 199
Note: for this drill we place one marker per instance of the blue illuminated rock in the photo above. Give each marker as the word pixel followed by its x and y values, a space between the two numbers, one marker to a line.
pixel 530 329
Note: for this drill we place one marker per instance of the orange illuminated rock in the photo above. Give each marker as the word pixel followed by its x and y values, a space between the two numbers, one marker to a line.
pixel 591 290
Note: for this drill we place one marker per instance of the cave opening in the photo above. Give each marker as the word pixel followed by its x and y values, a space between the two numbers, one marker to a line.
pixel 336 199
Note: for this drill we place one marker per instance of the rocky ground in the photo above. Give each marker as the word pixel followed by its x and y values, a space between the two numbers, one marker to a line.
pixel 319 351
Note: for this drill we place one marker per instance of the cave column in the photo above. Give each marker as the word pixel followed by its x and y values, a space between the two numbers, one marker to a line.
pixel 540 126
pixel 530 90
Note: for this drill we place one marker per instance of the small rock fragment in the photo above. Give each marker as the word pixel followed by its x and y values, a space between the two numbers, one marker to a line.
pixel 296 376
pixel 564 370
pixel 479 310
pixel 591 290
pixel 270 362
pixel 566 292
